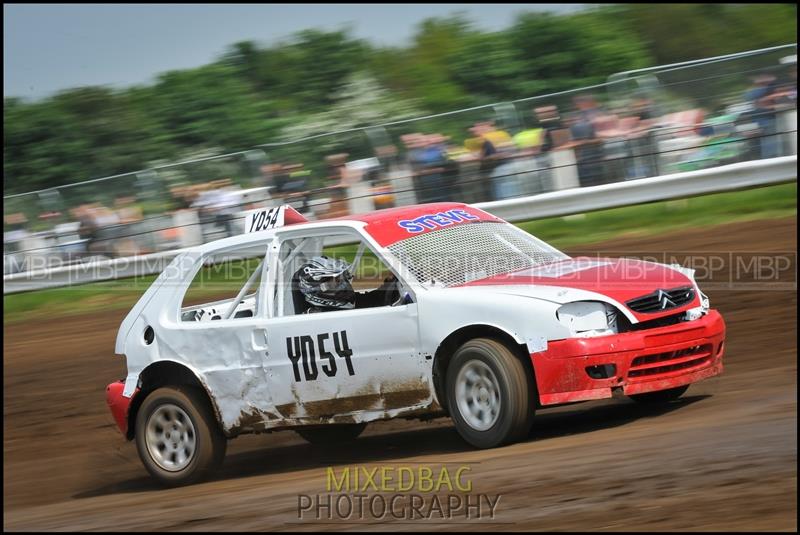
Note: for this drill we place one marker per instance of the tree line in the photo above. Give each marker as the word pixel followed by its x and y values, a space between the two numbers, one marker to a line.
pixel 253 94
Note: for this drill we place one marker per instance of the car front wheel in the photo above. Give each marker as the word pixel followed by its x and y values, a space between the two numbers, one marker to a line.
pixel 177 436
pixel 490 394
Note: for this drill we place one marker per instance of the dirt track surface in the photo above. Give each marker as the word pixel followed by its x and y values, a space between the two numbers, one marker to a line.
pixel 723 457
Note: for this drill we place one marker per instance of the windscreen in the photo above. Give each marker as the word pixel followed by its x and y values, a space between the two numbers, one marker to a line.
pixel 464 253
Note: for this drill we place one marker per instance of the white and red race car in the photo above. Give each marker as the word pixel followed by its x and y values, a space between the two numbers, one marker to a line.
pixel 482 322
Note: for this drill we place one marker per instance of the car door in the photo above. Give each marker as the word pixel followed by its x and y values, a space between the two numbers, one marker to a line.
pixel 361 363
pixel 227 352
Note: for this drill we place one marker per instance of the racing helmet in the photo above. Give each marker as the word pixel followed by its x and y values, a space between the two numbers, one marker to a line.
pixel 325 283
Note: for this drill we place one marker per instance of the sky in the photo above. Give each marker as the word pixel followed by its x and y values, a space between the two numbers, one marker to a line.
pixel 47 48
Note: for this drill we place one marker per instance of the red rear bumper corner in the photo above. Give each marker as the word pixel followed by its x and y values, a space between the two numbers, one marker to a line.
pixel 119 404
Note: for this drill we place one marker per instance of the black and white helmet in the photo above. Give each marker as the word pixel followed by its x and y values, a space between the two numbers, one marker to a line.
pixel 325 283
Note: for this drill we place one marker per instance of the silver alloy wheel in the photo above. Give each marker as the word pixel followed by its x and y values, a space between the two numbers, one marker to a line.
pixel 478 395
pixel 170 437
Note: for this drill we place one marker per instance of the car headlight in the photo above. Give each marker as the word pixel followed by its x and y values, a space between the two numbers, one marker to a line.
pixel 702 310
pixel 588 318
pixel 698 312
pixel 689 272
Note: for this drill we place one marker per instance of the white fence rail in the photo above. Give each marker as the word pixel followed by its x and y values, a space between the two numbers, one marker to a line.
pixel 661 188
pixel 558 203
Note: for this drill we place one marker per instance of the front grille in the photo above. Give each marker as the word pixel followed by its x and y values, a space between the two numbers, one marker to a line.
pixel 669 362
pixel 661 300
pixel 624 325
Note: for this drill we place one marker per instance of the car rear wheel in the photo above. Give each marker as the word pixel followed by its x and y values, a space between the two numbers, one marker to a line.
pixel 332 434
pixel 660 396
pixel 490 394
pixel 177 436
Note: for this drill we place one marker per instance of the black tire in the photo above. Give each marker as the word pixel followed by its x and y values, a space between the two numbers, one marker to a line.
pixel 332 434
pixel 660 396
pixel 516 392
pixel 209 441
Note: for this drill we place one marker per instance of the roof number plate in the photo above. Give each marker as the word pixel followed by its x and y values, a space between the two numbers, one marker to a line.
pixel 264 219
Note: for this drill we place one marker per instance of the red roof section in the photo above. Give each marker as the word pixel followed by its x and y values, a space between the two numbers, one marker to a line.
pixel 391 225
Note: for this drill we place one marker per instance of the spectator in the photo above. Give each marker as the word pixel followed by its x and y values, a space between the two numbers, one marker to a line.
pixel 275 177
pixel 288 183
pixel 15 229
pixel 88 215
pixel 550 122
pixel 386 154
pixel 337 169
pixel 338 180
pixel 452 168
pixel 104 216
pixel 414 144
pixel 587 145
pixel 297 178
pixel 785 96
pixel 553 134
pixel 791 89
pixel 180 196
pixel 432 167
pixel 413 149
pixel 642 162
pixel 15 222
pixel 15 233
pixel 127 213
pixel 127 210
pixel 495 147
pixel 212 204
pixel 761 98
pixel 227 205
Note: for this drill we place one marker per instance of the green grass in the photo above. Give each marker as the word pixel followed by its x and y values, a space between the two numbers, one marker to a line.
pixel 659 217
pixel 562 232
pixel 63 301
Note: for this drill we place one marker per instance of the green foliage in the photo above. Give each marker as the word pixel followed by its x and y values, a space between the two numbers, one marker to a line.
pixel 680 32
pixel 226 112
pixel 330 80
pixel 359 102
pixel 561 53
pixel 304 73
pixel 76 135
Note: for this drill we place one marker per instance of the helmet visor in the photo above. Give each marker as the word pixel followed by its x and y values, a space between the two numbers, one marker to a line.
pixel 333 284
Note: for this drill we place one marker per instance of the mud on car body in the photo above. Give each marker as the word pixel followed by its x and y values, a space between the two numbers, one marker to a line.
pixel 483 322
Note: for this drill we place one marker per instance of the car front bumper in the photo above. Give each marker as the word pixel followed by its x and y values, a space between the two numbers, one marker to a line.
pixel 580 369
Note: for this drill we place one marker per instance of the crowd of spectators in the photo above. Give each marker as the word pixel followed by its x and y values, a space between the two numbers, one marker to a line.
pixel 493 161
pixel 607 145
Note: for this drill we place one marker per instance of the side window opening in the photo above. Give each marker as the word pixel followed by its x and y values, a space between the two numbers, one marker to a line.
pixel 224 279
pixel 369 282
pixel 371 276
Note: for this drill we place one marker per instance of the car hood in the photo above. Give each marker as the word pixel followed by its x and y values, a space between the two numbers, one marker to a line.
pixel 618 280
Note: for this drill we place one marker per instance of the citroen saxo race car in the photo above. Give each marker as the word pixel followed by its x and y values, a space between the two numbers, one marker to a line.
pixel 482 322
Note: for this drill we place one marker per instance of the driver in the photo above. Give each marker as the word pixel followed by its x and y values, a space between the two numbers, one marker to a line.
pixel 324 284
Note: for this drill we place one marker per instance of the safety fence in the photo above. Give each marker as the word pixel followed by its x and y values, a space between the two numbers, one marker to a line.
pixel 558 203
pixel 647 123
